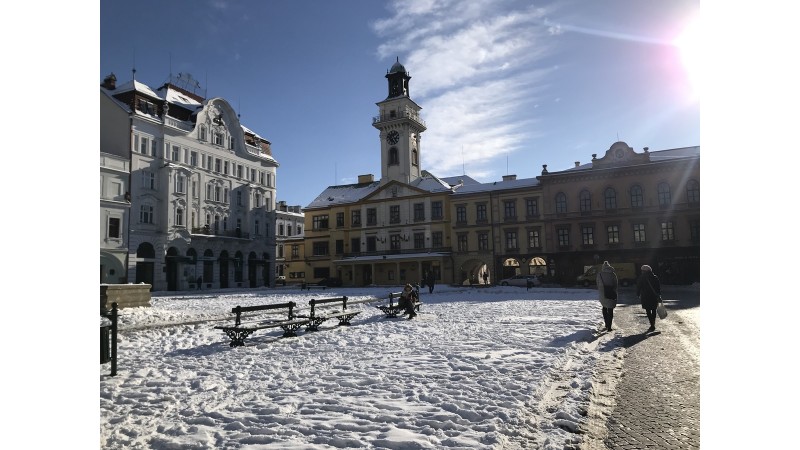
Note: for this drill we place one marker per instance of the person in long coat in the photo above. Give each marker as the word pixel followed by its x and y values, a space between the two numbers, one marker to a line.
pixel 648 289
pixel 607 277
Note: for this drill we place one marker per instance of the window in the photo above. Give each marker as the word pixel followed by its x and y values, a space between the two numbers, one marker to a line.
pixel 339 219
pixel 372 216
pixel 510 209
pixel 209 189
pixel 414 157
pixel 153 147
pixel 561 203
pixel 694 231
pixel 462 242
pixel 693 192
pixel 193 159
pixel 257 228
pixel 480 212
pixel 419 212
pixel 394 242
pixel 436 210
pixel 355 245
pixel 667 231
pixel 613 234
pixel 639 235
pixel 218 138
pixel 179 217
pixel 231 143
pixel 253 175
pixel 511 240
pixel 637 199
pixel 664 196
pixel 320 248
pixel 238 198
pixel 437 239
pixel 394 214
pixel 239 225
pixel 217 165
pixel 194 189
pixel 533 239
pixel 239 171
pixel 202 132
pixel 585 201
pixel 180 184
pixel 295 251
pixel 461 214
pixel 320 222
pixel 145 146
pixel 176 153
pixel 339 246
pixel 587 235
pixel 299 229
pixel 261 177
pixel 148 179
pixel 355 218
pixel 216 224
pixel 225 196
pixel 288 230
pixel 217 194
pixel 257 200
pixel 531 207
pixel 393 158
pixel 611 198
pixel 146 214
pixel 483 241
pixel 225 166
pixel 563 237
pixel 371 243
pixel 114 229
pixel 419 240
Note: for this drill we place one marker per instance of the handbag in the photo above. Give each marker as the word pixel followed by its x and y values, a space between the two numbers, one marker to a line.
pixel 662 312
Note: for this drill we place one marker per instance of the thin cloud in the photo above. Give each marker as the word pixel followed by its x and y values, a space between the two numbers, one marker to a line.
pixel 474 69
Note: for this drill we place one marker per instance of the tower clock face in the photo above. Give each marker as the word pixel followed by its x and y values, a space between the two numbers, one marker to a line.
pixel 393 137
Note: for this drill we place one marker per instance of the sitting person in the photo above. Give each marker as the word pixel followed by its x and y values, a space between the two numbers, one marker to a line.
pixel 407 299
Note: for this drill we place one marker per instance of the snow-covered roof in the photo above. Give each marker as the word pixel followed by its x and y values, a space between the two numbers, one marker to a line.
pixel 134 85
pixel 343 194
pixel 496 186
pixel 177 97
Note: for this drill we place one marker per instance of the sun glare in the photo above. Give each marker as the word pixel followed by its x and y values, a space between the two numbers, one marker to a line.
pixel 689 43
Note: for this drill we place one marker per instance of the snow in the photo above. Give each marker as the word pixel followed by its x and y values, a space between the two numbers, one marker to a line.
pixel 498 367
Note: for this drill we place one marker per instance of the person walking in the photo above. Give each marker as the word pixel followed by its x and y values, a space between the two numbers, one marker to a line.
pixel 485 277
pixel 648 289
pixel 607 284
pixel 431 281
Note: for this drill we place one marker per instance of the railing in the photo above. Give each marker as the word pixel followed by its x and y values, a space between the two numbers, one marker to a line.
pixel 407 114
pixel 178 124
pixel 237 233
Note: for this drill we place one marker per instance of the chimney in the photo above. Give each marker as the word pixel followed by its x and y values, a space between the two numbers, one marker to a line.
pixel 368 178
pixel 509 177
pixel 110 82
pixel 577 163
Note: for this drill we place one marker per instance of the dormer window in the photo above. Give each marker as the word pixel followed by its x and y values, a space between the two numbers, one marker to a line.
pixel 218 139
pixel 231 143
pixel 203 133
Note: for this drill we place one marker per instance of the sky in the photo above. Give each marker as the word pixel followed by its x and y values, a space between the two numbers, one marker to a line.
pixel 499 367
pixel 505 86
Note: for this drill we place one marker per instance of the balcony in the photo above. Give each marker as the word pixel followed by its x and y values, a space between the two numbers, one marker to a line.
pixel 407 114
pixel 208 231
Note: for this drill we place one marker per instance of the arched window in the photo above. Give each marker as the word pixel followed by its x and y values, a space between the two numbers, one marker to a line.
pixel 637 198
pixel 414 157
pixel 585 201
pixel 693 191
pixel 664 195
pixel 561 202
pixel 611 198
pixel 393 157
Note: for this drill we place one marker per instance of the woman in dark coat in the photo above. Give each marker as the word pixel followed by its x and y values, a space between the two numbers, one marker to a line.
pixel 648 289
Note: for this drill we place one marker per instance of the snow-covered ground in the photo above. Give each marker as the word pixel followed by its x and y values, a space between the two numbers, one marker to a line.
pixel 497 367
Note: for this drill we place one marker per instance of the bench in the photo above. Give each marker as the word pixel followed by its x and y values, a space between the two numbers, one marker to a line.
pixel 309 286
pixel 239 333
pixel 316 319
pixel 394 309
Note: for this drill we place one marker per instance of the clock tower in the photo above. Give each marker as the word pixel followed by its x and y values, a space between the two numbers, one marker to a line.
pixel 400 127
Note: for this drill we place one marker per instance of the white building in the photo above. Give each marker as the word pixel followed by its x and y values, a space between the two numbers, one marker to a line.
pixel 114 216
pixel 201 187
pixel 289 227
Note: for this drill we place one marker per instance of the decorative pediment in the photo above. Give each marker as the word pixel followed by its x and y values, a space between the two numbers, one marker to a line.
pixel 620 154
pixel 394 189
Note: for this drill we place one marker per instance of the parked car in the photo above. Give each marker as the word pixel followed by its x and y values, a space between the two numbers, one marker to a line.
pixel 520 280
pixel 281 280
pixel 330 282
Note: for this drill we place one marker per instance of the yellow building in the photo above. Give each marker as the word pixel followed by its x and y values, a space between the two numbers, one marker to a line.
pixel 625 206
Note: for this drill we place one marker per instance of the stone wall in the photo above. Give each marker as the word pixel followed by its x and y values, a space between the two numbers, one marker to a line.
pixel 126 295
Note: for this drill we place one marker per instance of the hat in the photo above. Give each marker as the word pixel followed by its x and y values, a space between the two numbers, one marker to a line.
pixel 646 268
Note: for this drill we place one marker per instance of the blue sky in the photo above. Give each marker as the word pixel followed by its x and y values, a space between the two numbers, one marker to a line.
pixel 505 85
